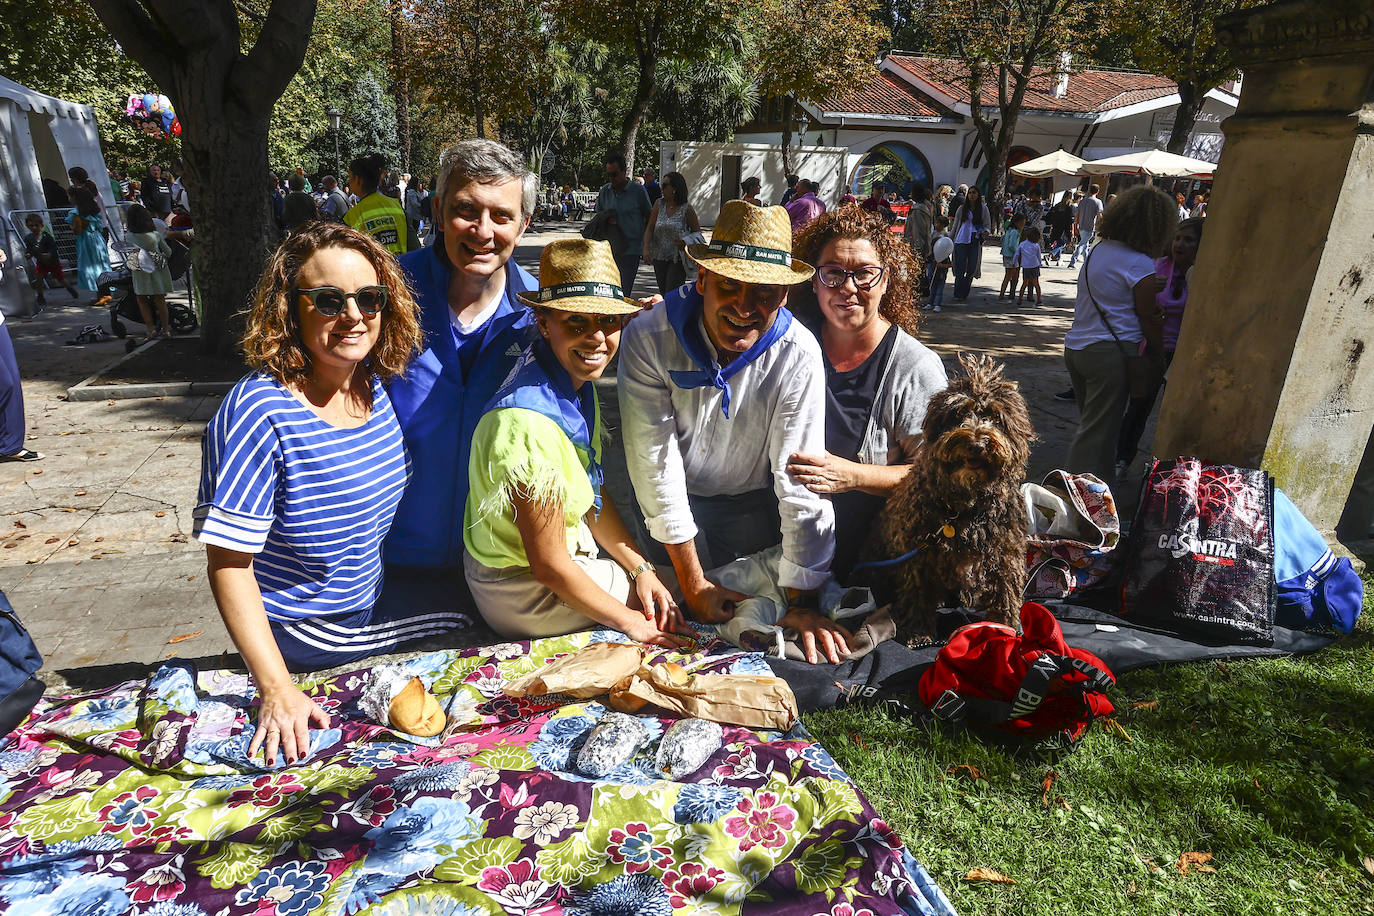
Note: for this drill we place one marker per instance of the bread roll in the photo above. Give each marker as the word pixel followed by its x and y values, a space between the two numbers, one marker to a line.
pixel 415 711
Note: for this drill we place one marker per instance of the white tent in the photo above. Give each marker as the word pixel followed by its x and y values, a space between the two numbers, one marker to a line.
pixel 1058 162
pixel 40 137
pixel 1153 163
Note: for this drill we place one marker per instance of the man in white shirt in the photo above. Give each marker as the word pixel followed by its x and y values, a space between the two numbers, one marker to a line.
pixel 1085 223
pixel 718 387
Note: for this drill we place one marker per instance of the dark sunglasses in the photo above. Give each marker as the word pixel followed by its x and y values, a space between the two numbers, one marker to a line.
pixel 834 276
pixel 330 301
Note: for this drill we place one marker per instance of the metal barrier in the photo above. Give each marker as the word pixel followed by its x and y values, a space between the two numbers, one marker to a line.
pixel 56 220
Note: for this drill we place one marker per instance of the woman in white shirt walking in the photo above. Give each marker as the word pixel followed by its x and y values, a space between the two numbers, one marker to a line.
pixel 1114 313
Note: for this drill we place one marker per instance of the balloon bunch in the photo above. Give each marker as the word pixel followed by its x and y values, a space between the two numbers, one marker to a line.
pixel 153 115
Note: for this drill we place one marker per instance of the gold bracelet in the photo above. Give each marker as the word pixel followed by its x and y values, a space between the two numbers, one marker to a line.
pixel 644 567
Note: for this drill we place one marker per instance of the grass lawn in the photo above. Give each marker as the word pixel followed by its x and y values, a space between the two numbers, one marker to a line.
pixel 1266 764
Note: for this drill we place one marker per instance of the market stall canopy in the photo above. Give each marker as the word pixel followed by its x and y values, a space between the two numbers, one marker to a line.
pixel 1058 162
pixel 1154 163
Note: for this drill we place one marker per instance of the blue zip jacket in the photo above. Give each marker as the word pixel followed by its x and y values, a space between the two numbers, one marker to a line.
pixel 438 409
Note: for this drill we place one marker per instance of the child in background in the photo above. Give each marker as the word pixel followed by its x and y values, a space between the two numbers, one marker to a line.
pixel 41 248
pixel 1011 242
pixel 1029 254
pixel 941 259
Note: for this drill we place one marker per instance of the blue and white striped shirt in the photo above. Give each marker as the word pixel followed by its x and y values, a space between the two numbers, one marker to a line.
pixel 311 500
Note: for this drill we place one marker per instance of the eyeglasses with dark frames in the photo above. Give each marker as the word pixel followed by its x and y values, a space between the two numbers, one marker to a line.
pixel 330 301
pixel 834 276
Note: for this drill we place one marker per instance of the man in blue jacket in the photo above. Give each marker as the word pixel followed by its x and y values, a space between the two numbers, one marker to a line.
pixel 474 327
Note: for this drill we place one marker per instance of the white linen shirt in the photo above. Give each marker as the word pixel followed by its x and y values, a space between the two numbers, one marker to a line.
pixel 678 441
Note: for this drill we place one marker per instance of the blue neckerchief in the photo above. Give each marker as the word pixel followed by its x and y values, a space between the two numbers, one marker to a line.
pixel 541 384
pixel 683 306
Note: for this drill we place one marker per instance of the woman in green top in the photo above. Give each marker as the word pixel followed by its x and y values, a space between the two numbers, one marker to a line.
pixel 152 279
pixel 376 214
pixel 535 510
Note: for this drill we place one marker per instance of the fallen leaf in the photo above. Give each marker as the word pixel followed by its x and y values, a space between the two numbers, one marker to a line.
pixel 19 524
pixel 111 403
pixel 73 542
pixel 1045 784
pixel 1196 860
pixel 16 543
pixel 976 875
pixel 39 471
pixel 1145 704
pixel 159 514
pixel 99 539
pixel 183 637
pixel 80 492
pixel 193 578
pixel 96 556
pixel 65 509
pixel 34 560
pixel 1368 863
pixel 971 771
pixel 1111 725
pixel 103 454
pixel 171 454
pixel 55 540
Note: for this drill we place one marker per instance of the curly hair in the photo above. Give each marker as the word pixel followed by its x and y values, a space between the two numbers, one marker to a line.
pixel 852 221
pixel 272 342
pixel 1143 218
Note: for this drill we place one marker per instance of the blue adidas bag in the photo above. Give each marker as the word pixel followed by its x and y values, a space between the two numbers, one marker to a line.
pixel 1316 589
pixel 19 661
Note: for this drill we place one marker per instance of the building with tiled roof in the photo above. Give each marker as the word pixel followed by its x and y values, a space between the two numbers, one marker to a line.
pixel 909 122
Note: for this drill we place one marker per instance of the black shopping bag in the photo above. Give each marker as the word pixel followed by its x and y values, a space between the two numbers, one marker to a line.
pixel 1201 556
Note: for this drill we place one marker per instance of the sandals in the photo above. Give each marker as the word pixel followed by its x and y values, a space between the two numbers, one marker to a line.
pixel 24 454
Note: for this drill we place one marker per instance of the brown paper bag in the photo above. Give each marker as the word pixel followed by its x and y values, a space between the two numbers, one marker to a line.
pixel 730 699
pixel 588 672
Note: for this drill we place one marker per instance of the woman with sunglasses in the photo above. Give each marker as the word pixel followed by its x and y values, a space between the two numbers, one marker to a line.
pixel 878 376
pixel 536 510
pixel 301 470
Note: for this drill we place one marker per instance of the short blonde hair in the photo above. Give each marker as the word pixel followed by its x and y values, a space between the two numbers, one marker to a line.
pixel 272 343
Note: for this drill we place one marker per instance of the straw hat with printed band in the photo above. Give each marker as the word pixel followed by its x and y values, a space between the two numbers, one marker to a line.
pixel 752 245
pixel 579 275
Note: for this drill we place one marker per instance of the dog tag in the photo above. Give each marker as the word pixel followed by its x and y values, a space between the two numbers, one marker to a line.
pixel 947 531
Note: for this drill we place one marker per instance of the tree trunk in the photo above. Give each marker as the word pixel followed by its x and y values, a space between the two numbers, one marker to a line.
pixel 788 109
pixel 644 94
pixel 226 168
pixel 1190 104
pixel 400 88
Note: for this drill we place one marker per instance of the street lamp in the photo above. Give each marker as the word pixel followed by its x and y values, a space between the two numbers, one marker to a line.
pixel 335 122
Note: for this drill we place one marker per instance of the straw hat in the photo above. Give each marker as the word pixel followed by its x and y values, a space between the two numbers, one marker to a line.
pixel 579 275
pixel 752 245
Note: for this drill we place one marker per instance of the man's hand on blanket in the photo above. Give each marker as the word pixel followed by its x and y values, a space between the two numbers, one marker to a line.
pixel 658 604
pixel 284 721
pixel 818 630
pixel 710 603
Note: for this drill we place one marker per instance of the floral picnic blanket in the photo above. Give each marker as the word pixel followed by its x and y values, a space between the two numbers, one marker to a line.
pixel 140 799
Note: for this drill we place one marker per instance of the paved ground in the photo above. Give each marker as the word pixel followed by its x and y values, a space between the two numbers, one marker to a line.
pixel 95 554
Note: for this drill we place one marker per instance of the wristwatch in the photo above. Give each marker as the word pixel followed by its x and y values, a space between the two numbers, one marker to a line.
pixel 644 567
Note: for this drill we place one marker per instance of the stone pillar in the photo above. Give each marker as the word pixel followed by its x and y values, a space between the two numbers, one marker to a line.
pixel 1275 364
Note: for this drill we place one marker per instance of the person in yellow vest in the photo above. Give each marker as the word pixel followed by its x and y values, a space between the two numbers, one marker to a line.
pixel 376 214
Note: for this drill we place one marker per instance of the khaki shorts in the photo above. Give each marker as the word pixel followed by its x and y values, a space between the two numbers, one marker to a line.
pixel 515 605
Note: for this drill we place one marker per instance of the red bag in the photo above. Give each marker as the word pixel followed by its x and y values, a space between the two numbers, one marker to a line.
pixel 1029 685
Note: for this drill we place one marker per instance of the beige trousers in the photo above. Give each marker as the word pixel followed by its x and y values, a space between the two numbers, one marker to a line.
pixel 515 605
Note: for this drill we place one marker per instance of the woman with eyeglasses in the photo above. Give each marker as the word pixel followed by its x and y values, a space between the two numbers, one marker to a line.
pixel 878 376
pixel 536 510
pixel 301 470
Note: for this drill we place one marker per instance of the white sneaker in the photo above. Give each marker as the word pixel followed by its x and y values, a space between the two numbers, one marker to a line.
pixel 935 308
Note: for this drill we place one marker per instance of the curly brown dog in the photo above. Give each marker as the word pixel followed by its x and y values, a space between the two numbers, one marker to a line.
pixel 959 507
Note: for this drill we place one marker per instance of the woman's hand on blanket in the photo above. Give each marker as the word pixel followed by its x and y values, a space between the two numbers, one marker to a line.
pixel 647 632
pixel 658 604
pixel 823 473
pixel 284 722
pixel 709 602
pixel 817 630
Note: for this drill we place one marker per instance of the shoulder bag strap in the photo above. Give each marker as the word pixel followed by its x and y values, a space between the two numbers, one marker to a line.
pixel 1087 283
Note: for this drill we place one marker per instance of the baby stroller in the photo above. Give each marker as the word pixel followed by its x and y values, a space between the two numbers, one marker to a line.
pixel 118 286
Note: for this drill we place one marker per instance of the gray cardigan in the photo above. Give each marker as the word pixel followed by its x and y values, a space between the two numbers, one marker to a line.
pixel 912 375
